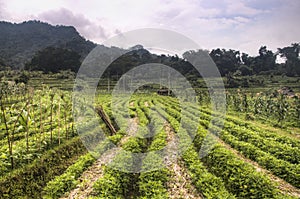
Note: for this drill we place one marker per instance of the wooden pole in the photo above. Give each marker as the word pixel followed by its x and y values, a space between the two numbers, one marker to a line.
pixel 99 110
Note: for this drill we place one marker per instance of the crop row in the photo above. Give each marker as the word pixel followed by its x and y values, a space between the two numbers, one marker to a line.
pixel 279 150
pixel 268 134
pixel 68 180
pixel 118 184
pixel 29 181
pixel 240 177
pixel 206 183
pixel 152 184
pixel 285 170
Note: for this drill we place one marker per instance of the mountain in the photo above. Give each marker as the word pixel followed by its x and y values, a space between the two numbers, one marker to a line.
pixel 20 42
pixel 36 45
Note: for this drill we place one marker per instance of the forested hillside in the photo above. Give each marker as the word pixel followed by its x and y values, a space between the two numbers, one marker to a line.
pixel 20 42
pixel 36 43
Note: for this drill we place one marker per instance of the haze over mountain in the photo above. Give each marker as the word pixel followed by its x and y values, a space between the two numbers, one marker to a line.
pixel 20 42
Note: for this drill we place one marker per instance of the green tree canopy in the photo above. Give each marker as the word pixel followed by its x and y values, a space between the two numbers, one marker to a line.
pixel 2 64
pixel 265 61
pixel 54 59
pixel 226 60
pixel 291 54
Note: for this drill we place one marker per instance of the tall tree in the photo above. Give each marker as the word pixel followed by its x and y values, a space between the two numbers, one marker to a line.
pixel 226 60
pixel 247 60
pixel 265 61
pixel 291 54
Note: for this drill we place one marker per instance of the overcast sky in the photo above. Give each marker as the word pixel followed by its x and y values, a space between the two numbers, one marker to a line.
pixel 238 24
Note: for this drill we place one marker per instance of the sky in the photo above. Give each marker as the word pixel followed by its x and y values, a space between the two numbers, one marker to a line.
pixel 243 25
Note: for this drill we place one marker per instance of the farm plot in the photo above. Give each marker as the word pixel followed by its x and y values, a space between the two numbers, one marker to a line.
pixel 227 171
pixel 42 155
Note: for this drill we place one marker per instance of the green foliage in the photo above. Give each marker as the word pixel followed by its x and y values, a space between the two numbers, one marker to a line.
pixel 258 145
pixel 22 78
pixel 240 178
pixel 226 61
pixel 116 138
pixel 152 184
pixel 207 184
pixel 2 64
pixel 67 181
pixel 29 181
pixel 281 168
pixel 221 174
pixel 291 53
pixel 116 183
pixel 54 60
pixel 245 70
pixel 29 37
pixel 113 184
pixel 272 107
pixel 280 150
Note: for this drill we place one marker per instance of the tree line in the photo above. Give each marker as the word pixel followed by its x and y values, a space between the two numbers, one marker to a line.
pixel 229 62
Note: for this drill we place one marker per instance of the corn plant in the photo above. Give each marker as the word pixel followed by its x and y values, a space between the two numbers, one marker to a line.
pixel 11 117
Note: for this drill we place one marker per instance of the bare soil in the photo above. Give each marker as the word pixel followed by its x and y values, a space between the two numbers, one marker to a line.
pixel 180 185
pixel 131 130
pixel 93 173
pixel 146 104
pixel 90 176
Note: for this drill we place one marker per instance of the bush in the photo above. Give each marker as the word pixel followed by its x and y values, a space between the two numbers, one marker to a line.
pixel 22 78
pixel 28 182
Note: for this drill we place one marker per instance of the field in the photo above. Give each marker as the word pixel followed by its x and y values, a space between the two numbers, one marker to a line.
pixel 253 153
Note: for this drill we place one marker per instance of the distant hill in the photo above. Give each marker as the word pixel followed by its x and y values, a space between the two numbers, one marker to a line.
pixel 20 42
pixel 41 46
pixel 36 45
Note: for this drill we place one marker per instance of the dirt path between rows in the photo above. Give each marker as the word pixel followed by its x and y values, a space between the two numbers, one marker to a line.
pixel 283 186
pixel 90 176
pixel 131 130
pixel 146 104
pixel 131 104
pixel 180 184
pixel 93 173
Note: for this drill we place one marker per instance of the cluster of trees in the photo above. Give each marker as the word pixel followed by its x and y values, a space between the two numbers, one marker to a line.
pixel 232 61
pixel 291 54
pixel 2 64
pixel 54 60
pixel 141 56
pixel 229 62
pixel 29 42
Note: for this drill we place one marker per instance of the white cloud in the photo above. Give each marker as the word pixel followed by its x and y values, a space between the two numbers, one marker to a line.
pixel 278 29
pixel 238 24
pixel 66 17
pixel 238 8
pixel 3 11
pixel 265 4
